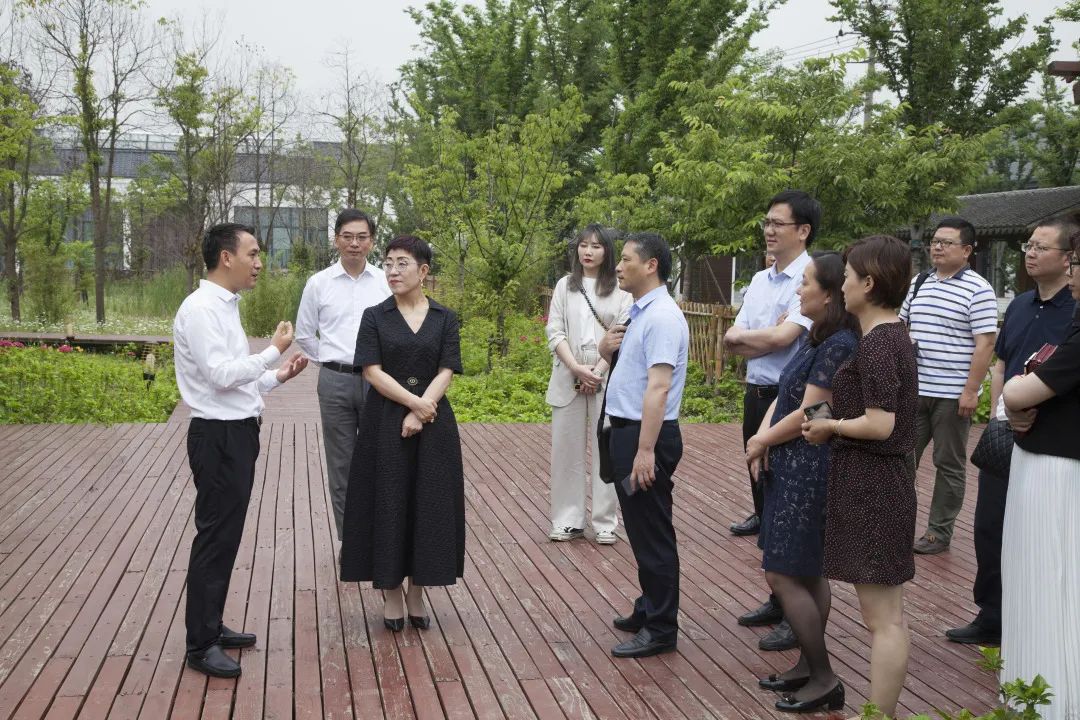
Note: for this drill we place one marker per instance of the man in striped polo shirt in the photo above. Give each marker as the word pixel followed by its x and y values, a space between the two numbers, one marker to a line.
pixel 952 314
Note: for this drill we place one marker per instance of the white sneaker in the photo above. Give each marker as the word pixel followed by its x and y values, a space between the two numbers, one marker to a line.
pixel 566 533
pixel 605 537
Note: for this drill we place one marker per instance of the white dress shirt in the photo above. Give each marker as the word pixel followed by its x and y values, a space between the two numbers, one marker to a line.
pixel 332 305
pixel 217 375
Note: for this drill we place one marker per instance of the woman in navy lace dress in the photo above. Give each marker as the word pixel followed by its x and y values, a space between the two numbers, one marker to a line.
pixel 795 479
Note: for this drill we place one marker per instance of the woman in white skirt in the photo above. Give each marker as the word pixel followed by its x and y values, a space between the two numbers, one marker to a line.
pixel 584 305
pixel 1040 552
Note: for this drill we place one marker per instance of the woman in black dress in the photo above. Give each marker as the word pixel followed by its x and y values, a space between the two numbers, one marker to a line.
pixel 793 521
pixel 405 507
pixel 870 516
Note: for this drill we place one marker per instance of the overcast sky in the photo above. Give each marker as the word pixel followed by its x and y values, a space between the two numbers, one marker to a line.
pixel 383 36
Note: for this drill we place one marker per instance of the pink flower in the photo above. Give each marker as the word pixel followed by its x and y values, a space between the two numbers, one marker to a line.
pixel 523 339
pixel 6 343
pixel 65 348
pixel 17 344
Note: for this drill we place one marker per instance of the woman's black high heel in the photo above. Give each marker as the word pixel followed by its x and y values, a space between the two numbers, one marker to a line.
pixel 834 699
pixel 394 624
pixel 779 684
pixel 420 622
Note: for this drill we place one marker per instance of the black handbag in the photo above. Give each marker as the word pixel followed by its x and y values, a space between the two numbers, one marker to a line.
pixel 993 452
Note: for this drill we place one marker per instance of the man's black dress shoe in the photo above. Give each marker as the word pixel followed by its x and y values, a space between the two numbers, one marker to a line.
pixel 642 645
pixel 779 638
pixel 974 634
pixel 394 624
pixel 420 622
pixel 627 624
pixel 213 661
pixel 834 700
pixel 768 614
pixel 232 639
pixel 775 682
pixel 749 526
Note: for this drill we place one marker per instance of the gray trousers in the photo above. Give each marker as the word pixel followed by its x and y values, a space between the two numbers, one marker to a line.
pixel 341 401
pixel 937 419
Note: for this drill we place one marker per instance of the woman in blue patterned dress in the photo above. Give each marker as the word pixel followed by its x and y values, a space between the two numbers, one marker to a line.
pixel 795 478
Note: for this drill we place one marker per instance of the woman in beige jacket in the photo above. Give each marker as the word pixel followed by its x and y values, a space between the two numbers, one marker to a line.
pixel 584 305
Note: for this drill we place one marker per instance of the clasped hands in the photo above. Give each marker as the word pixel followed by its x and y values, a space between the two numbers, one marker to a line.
pixel 421 410
pixel 588 379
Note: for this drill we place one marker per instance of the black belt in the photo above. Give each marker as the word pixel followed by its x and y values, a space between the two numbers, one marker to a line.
pixel 256 421
pixel 763 391
pixel 343 368
pixel 623 422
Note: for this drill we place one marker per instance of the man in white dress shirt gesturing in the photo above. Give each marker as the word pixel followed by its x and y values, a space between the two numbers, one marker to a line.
pixel 223 383
pixel 334 300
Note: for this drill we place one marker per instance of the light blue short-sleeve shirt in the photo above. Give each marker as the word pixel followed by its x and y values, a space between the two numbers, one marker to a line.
pixel 657 335
pixel 770 295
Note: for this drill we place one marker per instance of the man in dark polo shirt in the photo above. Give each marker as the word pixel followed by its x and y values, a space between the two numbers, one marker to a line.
pixel 1033 319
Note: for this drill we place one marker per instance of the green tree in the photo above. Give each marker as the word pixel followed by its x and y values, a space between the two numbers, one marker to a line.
pixel 1056 154
pixel 105 50
pixel 488 199
pixel 956 62
pixel 47 259
pixel 213 123
pixel 752 136
pixel 19 118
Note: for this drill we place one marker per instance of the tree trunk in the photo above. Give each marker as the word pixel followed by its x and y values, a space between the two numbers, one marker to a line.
pixel 12 276
pixel 100 228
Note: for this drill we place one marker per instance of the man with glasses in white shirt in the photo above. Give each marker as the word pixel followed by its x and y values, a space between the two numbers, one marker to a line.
pixel 769 330
pixel 327 323
pixel 223 384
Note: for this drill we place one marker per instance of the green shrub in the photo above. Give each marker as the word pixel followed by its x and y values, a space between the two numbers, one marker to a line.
pixel 159 296
pixel 45 385
pixel 276 297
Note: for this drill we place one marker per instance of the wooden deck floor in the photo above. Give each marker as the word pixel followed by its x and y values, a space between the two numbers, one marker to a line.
pixel 95 526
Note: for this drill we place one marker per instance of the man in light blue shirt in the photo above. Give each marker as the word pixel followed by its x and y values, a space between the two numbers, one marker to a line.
pixel 769 331
pixel 642 403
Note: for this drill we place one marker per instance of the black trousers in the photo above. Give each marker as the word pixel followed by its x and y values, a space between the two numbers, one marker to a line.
pixel 222 456
pixel 647 518
pixel 756 403
pixel 989 524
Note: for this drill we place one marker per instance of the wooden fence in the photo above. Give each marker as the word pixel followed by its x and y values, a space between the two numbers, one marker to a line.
pixel 708 323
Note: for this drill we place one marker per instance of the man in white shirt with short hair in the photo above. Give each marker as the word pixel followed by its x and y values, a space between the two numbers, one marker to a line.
pixel 223 383
pixel 327 323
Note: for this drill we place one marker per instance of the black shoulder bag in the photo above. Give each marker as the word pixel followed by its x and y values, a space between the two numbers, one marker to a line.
pixel 603 427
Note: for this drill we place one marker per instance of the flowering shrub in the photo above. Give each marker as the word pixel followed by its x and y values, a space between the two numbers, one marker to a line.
pixel 58 385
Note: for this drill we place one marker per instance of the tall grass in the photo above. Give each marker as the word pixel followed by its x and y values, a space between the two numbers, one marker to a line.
pixel 158 296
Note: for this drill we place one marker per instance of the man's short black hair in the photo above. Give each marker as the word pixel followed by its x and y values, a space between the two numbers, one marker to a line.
pixel 349 215
pixel 222 236
pixel 967 230
pixel 650 245
pixel 1066 226
pixel 805 210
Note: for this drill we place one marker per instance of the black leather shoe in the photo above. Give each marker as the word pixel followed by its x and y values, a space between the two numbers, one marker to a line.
pixel 749 526
pixel 779 638
pixel 213 661
pixel 642 645
pixel 394 624
pixel 768 614
pixel 834 700
pixel 232 639
pixel 627 624
pixel 974 634
pixel 775 682
pixel 420 622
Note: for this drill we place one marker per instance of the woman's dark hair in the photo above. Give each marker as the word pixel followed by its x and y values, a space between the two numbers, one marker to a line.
pixel 349 215
pixel 888 261
pixel 829 274
pixel 222 236
pixel 605 277
pixel 416 247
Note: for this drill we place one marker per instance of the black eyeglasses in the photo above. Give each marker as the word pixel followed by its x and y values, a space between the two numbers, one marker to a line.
pixel 1073 262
